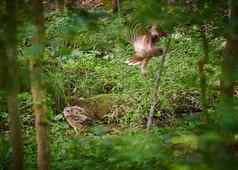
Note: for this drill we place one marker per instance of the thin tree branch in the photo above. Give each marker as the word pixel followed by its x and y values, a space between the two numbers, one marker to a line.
pixel 155 97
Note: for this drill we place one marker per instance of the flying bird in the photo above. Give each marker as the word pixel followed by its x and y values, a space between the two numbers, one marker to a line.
pixel 145 48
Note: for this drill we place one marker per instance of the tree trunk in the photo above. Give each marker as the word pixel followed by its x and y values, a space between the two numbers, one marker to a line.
pixel 230 60
pixel 115 6
pixel 38 93
pixel 12 85
pixel 3 63
pixel 202 74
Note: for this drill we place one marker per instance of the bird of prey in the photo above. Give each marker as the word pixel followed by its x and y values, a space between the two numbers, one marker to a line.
pixel 145 48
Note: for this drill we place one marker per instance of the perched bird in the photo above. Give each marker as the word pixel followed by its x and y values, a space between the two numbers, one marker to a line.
pixel 145 49
pixel 76 117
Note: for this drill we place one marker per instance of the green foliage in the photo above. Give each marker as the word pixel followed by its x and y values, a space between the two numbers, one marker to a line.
pixel 5 153
pixel 134 149
pixel 97 66
pixel 85 58
pixel 171 14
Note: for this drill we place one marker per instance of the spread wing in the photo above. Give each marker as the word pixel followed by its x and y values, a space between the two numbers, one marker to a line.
pixel 142 45
pixel 141 42
pixel 134 31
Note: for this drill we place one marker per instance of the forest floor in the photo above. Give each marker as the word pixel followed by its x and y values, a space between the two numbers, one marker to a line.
pixel 89 64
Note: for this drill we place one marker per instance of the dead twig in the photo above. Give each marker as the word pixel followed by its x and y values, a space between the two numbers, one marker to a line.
pixel 155 93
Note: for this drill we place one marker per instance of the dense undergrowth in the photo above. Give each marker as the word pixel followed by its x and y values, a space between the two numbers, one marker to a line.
pixel 84 62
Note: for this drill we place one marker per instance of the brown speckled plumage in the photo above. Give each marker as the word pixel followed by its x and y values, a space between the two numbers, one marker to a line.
pixel 145 48
pixel 76 117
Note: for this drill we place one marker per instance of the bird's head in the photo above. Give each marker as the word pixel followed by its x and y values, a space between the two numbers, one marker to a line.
pixel 153 30
pixel 72 110
pixel 156 34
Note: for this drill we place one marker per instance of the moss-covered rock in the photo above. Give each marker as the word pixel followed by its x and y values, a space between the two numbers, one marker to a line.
pixel 100 106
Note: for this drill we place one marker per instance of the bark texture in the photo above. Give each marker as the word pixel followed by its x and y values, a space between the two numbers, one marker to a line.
pixel 230 60
pixel 12 85
pixel 38 93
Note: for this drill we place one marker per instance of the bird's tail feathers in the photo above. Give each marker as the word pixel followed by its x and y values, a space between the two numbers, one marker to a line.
pixel 135 60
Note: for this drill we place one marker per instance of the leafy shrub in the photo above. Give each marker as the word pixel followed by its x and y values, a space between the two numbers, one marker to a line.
pixel 5 153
